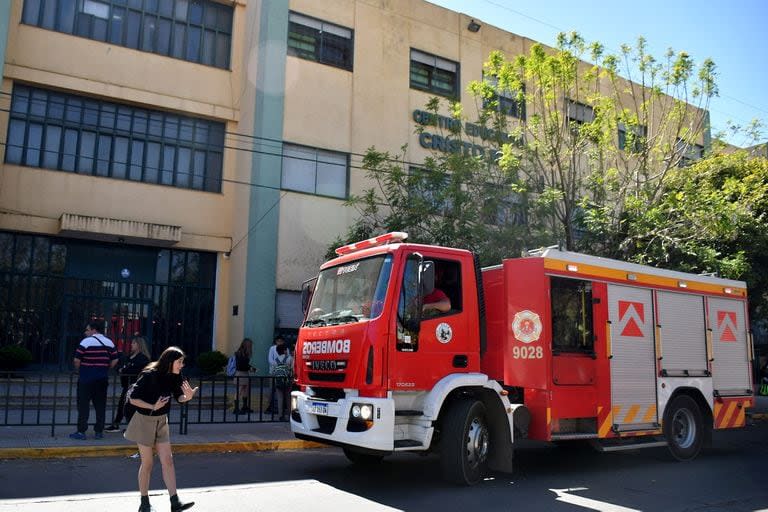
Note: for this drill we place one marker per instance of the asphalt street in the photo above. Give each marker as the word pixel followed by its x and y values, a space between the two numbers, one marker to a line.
pixel 731 476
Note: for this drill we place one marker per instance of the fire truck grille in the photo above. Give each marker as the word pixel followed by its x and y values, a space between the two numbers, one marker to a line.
pixel 328 394
pixel 327 377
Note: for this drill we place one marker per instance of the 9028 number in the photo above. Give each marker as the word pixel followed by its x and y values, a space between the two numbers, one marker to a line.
pixel 527 352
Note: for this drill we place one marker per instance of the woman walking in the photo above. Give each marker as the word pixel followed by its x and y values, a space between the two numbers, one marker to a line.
pixel 242 371
pixel 137 359
pixel 148 428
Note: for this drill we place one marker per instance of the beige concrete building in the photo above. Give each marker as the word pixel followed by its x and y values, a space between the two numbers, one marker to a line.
pixel 179 167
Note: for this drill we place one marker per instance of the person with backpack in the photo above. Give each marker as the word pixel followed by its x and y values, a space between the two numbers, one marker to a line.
pixel 282 373
pixel 94 356
pixel 242 375
pixel 129 370
pixel 271 362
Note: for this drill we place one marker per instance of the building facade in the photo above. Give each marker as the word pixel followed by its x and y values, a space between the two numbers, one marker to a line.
pixel 179 167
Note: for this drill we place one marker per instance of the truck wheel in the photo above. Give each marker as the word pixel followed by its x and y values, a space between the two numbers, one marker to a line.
pixel 362 459
pixel 464 442
pixel 683 428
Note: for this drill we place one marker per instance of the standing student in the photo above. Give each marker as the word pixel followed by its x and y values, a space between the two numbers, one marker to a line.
pixel 94 356
pixel 242 373
pixel 282 372
pixel 271 362
pixel 137 358
pixel 148 428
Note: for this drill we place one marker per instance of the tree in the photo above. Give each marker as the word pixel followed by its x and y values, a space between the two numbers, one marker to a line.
pixel 596 144
pixel 581 149
pixel 711 216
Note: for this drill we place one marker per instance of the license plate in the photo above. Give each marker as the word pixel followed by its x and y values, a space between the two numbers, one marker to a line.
pixel 318 408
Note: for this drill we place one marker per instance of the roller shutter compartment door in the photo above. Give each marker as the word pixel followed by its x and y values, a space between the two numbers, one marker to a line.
pixel 683 334
pixel 730 368
pixel 633 366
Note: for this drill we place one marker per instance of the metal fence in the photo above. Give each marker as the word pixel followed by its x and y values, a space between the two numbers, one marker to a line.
pixel 40 399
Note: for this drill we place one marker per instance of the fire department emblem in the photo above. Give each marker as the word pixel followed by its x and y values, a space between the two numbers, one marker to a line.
pixel 444 333
pixel 526 326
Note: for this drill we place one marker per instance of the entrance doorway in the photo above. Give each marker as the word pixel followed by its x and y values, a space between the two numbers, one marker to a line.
pixel 120 319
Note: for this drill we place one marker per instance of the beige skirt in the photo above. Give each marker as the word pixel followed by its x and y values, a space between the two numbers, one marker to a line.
pixel 148 430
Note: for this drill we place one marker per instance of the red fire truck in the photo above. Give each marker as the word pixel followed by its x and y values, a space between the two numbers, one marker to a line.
pixel 555 346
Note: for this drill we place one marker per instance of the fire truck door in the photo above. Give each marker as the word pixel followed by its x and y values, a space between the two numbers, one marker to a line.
pixel 633 365
pixel 730 367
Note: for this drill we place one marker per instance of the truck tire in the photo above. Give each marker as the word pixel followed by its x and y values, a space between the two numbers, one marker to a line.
pixel 464 442
pixel 684 428
pixel 362 459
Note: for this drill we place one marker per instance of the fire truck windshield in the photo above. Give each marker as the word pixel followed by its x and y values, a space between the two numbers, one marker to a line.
pixel 351 292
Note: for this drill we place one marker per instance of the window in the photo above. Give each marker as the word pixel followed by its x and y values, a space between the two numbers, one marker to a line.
pixel 76 134
pixel 315 171
pixel 434 74
pixel 578 113
pixel 320 41
pixel 506 101
pixel 571 315
pixel 502 211
pixel 632 139
pixel 689 152
pixel 193 30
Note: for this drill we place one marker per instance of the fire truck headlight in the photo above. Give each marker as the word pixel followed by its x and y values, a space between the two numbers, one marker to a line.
pixel 362 411
pixel 294 403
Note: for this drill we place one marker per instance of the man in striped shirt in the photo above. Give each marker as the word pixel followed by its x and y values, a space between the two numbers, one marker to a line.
pixel 95 355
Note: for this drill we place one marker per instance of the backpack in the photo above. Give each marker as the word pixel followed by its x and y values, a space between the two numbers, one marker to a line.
pixel 231 366
pixel 283 373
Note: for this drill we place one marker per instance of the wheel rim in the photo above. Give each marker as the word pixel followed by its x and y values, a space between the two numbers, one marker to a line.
pixel 477 442
pixel 683 428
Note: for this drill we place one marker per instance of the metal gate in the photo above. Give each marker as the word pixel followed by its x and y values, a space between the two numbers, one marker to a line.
pixel 633 365
pixel 121 319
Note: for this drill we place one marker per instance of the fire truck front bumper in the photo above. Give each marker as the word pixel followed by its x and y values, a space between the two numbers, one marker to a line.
pixel 362 422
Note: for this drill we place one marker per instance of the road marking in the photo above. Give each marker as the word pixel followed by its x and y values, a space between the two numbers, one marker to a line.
pixel 565 496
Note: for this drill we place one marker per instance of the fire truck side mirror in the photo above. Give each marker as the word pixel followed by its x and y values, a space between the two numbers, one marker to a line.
pixel 427 278
pixel 307 289
pixel 411 297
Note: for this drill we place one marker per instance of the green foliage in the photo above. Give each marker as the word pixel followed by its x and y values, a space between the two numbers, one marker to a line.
pixel 14 357
pixel 712 216
pixel 211 363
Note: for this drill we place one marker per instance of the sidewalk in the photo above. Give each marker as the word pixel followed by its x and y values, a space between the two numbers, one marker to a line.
pixel 36 442
pixel 26 442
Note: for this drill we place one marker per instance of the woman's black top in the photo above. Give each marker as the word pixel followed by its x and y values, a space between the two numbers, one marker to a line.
pixel 131 368
pixel 242 362
pixel 152 386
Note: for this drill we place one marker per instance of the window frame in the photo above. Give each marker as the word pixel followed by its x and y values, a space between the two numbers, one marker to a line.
pixel 587 314
pixel 431 69
pixel 506 102
pixel 641 134
pixel 141 28
pixel 125 135
pixel 308 149
pixel 323 32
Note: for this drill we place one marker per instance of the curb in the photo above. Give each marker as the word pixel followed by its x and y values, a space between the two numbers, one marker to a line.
pixel 109 451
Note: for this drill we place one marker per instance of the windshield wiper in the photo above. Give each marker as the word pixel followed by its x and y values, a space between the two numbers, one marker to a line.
pixel 315 322
pixel 341 319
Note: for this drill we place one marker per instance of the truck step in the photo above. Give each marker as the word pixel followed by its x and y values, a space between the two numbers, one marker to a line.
pixel 570 437
pixel 607 446
pixel 407 443
pixel 408 412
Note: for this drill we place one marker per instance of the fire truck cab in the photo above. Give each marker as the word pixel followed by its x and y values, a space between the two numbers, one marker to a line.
pixel 556 346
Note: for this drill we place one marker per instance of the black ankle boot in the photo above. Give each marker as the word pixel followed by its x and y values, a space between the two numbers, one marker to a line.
pixel 145 506
pixel 245 408
pixel 177 505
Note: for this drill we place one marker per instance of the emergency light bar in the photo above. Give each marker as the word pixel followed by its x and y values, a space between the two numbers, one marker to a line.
pixel 395 236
